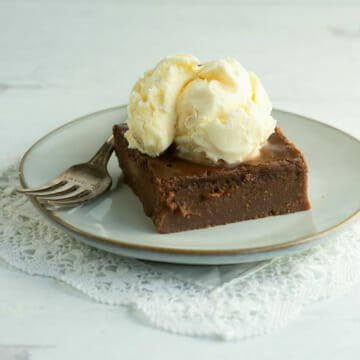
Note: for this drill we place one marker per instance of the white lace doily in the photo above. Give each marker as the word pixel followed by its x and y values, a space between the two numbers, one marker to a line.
pixel 228 302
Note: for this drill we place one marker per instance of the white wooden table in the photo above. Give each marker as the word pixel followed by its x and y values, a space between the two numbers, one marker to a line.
pixel 82 56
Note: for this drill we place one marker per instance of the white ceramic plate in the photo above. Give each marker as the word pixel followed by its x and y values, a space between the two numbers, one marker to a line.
pixel 116 222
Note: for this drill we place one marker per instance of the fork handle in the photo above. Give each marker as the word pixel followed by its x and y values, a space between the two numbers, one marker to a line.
pixel 102 157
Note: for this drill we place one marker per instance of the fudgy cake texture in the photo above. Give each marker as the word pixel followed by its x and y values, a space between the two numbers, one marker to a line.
pixel 180 195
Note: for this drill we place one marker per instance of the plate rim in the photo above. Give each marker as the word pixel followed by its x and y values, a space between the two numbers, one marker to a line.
pixel 175 251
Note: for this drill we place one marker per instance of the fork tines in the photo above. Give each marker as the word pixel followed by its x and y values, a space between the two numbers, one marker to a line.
pixel 60 193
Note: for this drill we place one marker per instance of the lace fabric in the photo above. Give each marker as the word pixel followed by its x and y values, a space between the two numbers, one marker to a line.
pixel 227 302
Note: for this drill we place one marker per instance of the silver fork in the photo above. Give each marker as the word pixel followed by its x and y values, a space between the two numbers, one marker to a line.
pixel 80 183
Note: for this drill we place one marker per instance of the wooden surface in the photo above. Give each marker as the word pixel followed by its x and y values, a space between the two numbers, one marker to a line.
pixel 83 56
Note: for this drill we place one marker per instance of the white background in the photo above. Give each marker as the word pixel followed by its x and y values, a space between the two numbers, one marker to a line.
pixel 63 59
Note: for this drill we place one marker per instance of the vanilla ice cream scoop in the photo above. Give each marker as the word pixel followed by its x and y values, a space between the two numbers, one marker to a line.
pixel 216 111
pixel 151 109
pixel 224 114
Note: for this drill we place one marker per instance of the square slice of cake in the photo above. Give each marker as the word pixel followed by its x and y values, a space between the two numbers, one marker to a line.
pixel 179 195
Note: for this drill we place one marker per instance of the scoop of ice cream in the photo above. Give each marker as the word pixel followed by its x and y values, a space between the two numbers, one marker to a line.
pixel 151 109
pixel 223 114
pixel 216 111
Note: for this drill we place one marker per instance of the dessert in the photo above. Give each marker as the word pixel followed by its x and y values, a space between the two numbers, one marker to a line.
pixel 200 147
pixel 180 195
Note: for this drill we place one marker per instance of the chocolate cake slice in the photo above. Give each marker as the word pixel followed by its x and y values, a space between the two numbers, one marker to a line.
pixel 179 195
